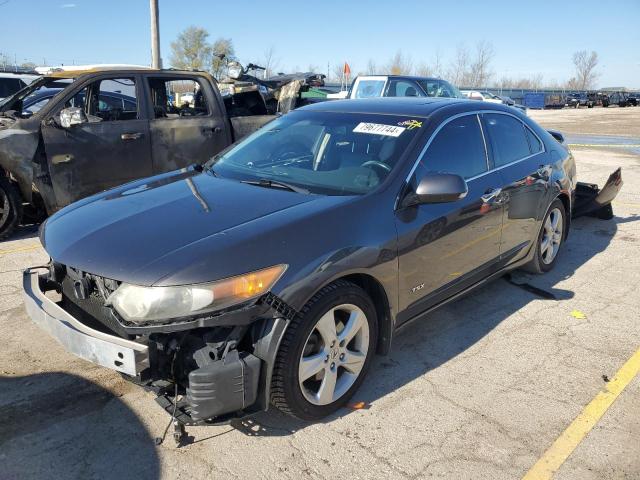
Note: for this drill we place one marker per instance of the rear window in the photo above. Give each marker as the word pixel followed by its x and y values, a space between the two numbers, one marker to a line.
pixel 369 88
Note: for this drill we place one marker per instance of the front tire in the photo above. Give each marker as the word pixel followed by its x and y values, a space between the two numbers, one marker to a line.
pixel 325 353
pixel 10 207
pixel 550 239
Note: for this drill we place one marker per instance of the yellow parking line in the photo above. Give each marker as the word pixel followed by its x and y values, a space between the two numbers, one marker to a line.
pixel 606 145
pixel 566 443
pixel 20 249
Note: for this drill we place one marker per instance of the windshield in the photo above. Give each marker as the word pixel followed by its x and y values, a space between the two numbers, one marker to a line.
pixel 39 91
pixel 323 152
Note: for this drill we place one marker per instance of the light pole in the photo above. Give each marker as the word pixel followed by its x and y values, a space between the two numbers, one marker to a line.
pixel 156 60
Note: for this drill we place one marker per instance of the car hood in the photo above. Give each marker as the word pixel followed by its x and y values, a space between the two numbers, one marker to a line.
pixel 130 233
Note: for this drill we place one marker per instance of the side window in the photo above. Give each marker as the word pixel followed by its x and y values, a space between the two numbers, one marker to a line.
pixel 177 98
pixel 104 100
pixel 111 94
pixel 403 88
pixel 534 144
pixel 508 138
pixel 457 148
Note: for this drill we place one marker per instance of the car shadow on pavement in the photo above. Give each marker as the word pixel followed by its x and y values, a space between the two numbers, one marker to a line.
pixel 449 331
pixel 56 425
pixel 23 232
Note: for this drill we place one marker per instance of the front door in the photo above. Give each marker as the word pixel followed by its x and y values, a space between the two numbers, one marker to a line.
pixel 446 247
pixel 187 125
pixel 110 149
pixel 519 156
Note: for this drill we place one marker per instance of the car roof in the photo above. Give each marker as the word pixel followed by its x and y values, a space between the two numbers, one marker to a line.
pixel 410 77
pixel 412 106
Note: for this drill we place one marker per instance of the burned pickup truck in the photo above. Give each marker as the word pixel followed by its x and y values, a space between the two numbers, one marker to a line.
pixel 71 134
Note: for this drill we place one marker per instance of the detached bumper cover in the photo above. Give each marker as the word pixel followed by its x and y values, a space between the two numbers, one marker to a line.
pixel 591 200
pixel 109 351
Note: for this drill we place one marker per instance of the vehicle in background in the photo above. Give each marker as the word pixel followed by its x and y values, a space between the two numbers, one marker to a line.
pixel 371 86
pixel 633 98
pixel 281 93
pixel 476 95
pixel 10 83
pixel 581 99
pixel 503 99
pixel 492 98
pixel 215 288
pixel 108 100
pixel 92 130
pixel 620 99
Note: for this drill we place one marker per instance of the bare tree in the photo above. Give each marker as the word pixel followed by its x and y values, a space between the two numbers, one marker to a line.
pixel 480 70
pixel 270 62
pixel 372 68
pixel 191 51
pixel 399 65
pixel 223 52
pixel 585 64
pixel 459 68
pixel 424 70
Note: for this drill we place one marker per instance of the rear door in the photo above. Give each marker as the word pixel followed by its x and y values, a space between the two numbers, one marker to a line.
pixel 187 124
pixel 519 156
pixel 446 247
pixel 110 149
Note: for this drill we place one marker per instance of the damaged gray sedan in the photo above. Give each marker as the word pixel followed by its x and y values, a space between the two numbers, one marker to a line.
pixel 272 275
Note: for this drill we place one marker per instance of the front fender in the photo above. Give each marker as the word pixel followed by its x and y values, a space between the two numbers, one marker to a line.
pixel 17 149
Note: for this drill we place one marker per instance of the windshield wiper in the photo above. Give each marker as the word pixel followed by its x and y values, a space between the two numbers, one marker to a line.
pixel 268 183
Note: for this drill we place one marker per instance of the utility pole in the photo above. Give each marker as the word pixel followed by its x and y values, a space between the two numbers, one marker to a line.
pixel 156 60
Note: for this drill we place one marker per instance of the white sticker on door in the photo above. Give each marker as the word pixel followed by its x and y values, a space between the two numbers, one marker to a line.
pixel 379 129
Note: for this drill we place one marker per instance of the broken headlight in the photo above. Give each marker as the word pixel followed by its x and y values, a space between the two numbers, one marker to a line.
pixel 139 304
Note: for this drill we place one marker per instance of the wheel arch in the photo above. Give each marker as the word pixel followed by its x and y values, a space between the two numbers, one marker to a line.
pixel 566 201
pixel 379 297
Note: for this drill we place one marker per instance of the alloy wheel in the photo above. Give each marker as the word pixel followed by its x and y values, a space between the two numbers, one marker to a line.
pixel 334 354
pixel 552 236
pixel 5 207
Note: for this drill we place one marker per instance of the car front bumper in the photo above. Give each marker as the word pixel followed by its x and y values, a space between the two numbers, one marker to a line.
pixel 103 349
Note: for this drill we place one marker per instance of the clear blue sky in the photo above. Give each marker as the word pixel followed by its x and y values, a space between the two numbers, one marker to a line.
pixel 528 38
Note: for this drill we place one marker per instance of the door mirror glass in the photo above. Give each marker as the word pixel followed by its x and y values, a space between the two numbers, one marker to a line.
pixel 438 188
pixel 72 116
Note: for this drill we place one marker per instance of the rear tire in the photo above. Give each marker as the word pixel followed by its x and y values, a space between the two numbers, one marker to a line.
pixel 331 343
pixel 10 207
pixel 550 239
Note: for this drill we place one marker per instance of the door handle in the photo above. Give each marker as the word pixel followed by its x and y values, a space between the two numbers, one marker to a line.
pixel 544 172
pixel 211 130
pixel 131 136
pixel 491 195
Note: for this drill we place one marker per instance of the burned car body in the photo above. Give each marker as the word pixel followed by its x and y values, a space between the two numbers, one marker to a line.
pixel 271 275
pixel 123 124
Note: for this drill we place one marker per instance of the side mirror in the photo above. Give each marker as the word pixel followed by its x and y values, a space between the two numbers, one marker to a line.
pixel 72 116
pixel 437 188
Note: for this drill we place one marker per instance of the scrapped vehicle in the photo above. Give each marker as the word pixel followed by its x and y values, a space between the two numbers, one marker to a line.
pixel 371 86
pixel 576 100
pixel 282 93
pixel 620 99
pixel 71 134
pixel 272 274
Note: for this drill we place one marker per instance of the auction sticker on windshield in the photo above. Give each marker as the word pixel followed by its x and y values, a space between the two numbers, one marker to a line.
pixel 379 129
